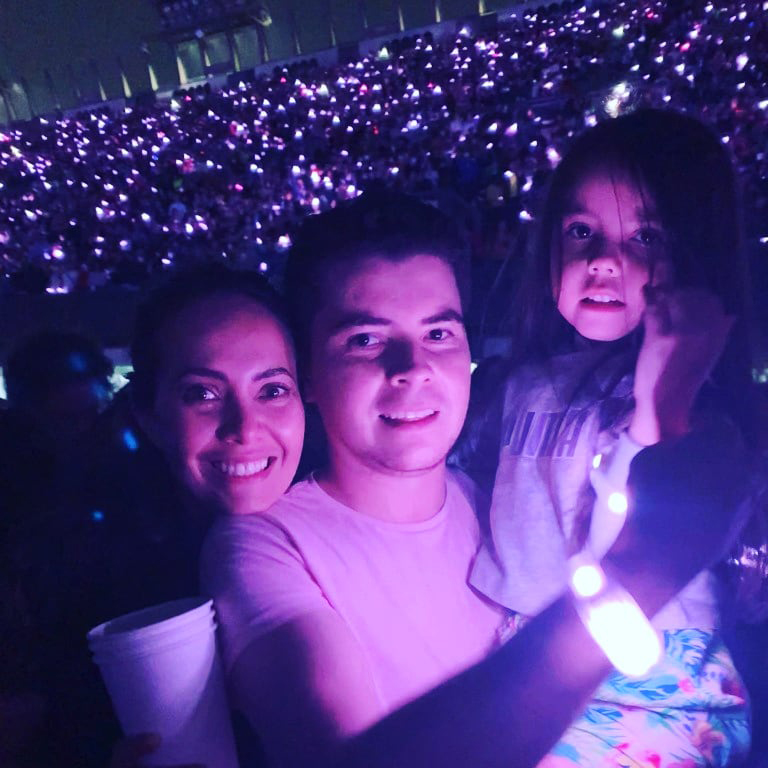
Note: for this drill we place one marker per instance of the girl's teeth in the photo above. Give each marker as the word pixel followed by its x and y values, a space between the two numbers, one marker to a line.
pixel 241 469
pixel 602 299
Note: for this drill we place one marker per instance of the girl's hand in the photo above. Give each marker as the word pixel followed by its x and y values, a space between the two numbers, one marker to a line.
pixel 685 334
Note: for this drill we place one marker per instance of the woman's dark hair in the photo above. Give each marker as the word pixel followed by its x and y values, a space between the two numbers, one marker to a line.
pixel 174 296
pixel 380 223
pixel 687 174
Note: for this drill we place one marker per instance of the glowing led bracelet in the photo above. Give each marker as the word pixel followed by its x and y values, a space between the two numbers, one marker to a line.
pixel 613 618
pixel 609 480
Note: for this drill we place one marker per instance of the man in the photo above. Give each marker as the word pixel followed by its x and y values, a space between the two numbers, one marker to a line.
pixel 348 599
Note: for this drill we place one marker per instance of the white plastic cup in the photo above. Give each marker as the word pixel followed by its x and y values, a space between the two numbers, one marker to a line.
pixel 164 676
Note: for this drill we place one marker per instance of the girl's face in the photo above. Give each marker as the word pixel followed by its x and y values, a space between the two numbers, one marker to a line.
pixel 612 246
pixel 227 412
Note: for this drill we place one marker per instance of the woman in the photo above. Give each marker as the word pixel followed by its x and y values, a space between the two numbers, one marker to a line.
pixel 215 388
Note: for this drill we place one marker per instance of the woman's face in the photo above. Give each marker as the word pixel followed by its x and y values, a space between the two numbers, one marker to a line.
pixel 227 412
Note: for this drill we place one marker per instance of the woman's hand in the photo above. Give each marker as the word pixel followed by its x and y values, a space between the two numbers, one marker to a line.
pixel 130 750
pixel 685 333
pixel 22 716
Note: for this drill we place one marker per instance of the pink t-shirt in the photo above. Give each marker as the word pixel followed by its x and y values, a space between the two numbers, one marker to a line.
pixel 400 588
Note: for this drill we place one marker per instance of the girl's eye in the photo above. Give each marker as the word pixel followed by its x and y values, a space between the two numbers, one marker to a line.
pixel 648 237
pixel 578 230
pixel 197 393
pixel 273 391
pixel 362 341
pixel 438 334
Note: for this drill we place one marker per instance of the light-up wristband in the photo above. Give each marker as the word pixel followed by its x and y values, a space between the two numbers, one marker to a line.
pixel 613 618
pixel 609 479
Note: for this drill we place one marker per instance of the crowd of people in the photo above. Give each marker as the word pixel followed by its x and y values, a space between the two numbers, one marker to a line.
pixel 473 122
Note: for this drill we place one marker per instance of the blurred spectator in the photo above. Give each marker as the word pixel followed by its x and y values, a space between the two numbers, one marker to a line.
pixel 57 385
pixel 90 528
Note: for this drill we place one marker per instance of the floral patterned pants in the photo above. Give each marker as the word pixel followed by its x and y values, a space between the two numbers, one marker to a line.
pixel 690 711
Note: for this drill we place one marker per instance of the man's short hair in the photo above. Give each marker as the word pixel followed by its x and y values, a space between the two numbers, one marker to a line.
pixel 380 223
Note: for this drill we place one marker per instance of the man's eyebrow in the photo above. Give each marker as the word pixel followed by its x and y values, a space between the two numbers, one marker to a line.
pixel 212 373
pixel 447 315
pixel 356 319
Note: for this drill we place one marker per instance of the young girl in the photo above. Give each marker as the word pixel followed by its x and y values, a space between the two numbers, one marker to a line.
pixel 632 329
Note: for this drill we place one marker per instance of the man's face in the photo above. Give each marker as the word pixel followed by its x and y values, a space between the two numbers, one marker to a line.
pixel 390 364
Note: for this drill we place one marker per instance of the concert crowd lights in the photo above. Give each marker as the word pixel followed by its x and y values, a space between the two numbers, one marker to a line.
pixel 232 172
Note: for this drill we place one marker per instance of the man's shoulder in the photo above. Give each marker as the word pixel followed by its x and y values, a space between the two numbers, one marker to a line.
pixel 271 534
